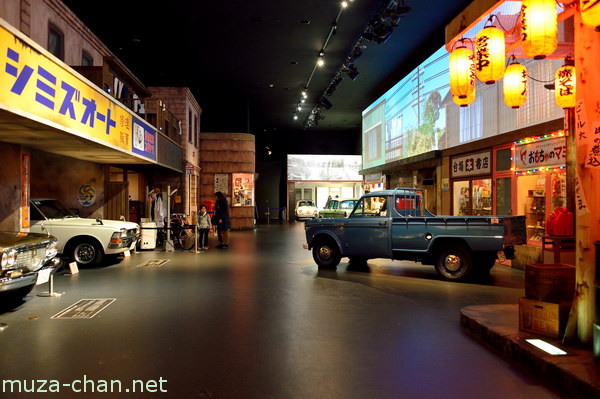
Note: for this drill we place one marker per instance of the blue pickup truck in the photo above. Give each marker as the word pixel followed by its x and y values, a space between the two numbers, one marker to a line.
pixel 394 224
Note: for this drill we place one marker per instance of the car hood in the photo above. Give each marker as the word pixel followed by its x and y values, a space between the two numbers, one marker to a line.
pixel 83 222
pixel 13 238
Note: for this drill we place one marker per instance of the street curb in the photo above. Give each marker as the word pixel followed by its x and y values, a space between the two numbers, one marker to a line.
pixel 497 326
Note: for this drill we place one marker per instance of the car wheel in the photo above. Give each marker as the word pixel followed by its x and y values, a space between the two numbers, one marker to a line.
pixel 454 263
pixel 326 254
pixel 87 253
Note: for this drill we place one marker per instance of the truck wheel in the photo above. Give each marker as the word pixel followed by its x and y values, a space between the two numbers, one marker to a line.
pixel 326 254
pixel 453 262
pixel 86 252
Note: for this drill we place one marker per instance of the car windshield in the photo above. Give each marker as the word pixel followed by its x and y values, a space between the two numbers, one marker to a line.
pixel 306 203
pixel 347 204
pixel 53 209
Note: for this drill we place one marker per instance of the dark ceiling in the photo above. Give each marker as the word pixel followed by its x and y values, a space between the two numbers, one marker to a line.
pixel 248 61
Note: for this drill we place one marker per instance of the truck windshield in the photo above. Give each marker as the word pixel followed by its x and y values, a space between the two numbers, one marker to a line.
pixel 371 206
pixel 52 209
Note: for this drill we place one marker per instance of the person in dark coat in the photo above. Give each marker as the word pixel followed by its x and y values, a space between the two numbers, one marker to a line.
pixel 221 220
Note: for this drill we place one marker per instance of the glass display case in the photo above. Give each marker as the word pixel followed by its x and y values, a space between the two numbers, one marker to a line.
pixel 536 215
pixel 243 189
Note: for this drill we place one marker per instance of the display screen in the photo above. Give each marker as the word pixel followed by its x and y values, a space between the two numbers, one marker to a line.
pixel 410 118
pixel 418 115
pixel 324 168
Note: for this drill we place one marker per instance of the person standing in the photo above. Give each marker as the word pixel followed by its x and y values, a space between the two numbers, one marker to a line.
pixel 221 220
pixel 157 211
pixel 204 226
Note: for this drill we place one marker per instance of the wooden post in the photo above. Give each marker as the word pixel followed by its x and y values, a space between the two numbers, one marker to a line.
pixel 587 192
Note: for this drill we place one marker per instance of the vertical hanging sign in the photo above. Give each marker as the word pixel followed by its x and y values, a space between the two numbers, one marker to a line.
pixel 580 202
pixel 25 192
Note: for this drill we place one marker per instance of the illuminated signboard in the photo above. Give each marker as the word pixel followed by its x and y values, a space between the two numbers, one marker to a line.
pixel 541 153
pixel 34 85
pixel 144 139
pixel 324 168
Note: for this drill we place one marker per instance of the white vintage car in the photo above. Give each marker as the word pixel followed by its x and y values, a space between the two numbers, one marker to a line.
pixel 305 209
pixel 83 240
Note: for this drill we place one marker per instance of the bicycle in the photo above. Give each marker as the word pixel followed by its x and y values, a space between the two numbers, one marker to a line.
pixel 182 234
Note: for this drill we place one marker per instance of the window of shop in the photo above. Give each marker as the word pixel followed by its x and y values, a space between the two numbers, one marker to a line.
pixel 197 127
pixel 472 184
pixel 504 183
pixel 541 181
pixel 190 128
pixel 86 59
pixel 243 189
pixel 56 42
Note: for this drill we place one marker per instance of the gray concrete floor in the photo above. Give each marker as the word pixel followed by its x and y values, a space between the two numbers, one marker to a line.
pixel 260 321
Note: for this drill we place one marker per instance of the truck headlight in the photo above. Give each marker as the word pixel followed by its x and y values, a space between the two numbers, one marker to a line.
pixel 123 232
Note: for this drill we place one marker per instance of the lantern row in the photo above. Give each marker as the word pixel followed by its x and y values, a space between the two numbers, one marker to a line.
pixel 539 38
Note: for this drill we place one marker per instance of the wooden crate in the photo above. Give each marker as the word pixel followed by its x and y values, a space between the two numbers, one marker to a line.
pixel 553 282
pixel 543 318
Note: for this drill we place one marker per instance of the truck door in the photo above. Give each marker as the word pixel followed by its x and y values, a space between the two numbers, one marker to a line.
pixel 367 230
pixel 409 231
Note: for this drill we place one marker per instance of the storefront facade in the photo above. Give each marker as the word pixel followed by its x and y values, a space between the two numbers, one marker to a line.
pixel 71 136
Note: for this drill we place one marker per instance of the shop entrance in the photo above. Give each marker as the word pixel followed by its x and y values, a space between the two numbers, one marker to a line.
pixel 116 205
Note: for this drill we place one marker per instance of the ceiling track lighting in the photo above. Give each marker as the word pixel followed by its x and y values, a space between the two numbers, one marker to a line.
pixel 378 30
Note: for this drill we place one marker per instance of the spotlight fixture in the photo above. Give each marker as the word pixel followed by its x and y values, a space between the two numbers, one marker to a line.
pixel 351 70
pixel 299 108
pixel 304 94
pixel 378 31
pixel 320 62
pixel 326 103
pixel 295 117
pixel 357 51
pixel 344 4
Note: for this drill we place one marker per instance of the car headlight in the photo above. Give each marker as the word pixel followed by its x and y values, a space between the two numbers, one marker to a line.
pixel 11 258
pixel 123 232
pixel 52 250
pixel 4 260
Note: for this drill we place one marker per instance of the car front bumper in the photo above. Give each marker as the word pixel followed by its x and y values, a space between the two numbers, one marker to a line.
pixel 14 281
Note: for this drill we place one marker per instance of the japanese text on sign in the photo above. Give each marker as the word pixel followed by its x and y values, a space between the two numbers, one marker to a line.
pixel 32 83
pixel 541 153
pixel 474 164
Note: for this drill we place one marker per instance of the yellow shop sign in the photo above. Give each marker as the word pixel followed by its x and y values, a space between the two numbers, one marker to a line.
pixel 36 84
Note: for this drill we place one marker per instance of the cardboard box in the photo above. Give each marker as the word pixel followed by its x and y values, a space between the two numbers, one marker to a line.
pixel 543 318
pixel 553 282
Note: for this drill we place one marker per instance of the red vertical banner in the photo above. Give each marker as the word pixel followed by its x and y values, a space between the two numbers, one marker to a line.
pixel 25 161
